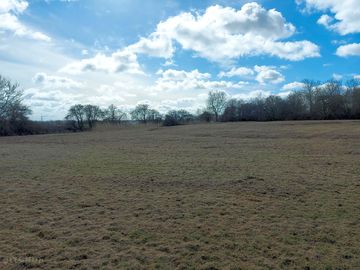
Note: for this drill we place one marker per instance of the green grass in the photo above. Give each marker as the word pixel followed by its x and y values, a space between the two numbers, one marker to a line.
pixel 281 195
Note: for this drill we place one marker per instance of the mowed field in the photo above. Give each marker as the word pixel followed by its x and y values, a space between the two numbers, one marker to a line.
pixel 280 195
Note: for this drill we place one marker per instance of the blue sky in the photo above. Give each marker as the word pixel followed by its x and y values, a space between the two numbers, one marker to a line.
pixel 170 53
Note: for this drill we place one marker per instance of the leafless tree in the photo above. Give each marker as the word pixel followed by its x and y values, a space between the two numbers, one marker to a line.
pixel 177 117
pixel 92 114
pixel 13 113
pixel 77 114
pixel 274 108
pixel 216 103
pixel 352 95
pixel 296 106
pixel 309 88
pixel 140 113
pixel 113 114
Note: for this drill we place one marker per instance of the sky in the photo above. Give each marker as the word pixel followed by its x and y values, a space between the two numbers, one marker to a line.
pixel 171 53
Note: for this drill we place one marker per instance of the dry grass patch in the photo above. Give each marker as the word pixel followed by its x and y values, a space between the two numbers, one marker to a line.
pixel 222 196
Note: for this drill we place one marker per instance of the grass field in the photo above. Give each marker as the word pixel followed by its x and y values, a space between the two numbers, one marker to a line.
pixel 281 195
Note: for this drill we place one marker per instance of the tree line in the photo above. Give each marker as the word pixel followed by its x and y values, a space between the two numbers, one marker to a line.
pixel 314 101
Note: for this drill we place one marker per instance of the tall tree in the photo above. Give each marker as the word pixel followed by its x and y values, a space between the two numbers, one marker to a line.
pixel 92 114
pixel 140 113
pixel 309 88
pixel 13 113
pixel 274 108
pixel 353 97
pixel 177 117
pixel 216 103
pixel 113 114
pixel 296 106
pixel 77 113
pixel 154 116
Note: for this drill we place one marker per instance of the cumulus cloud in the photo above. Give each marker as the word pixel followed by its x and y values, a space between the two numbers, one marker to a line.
pixel 325 20
pixel 267 74
pixel 190 104
pixel 220 34
pixel 284 94
pixel 252 95
pixel 293 86
pixel 259 94
pixel 349 50
pixel 181 75
pixel 237 72
pixel 13 5
pixel 156 45
pixel 264 74
pixel 49 104
pixel 48 81
pixel 345 14
pixel 223 34
pixel 9 22
pixel 180 80
pixel 122 61
pixel 37 94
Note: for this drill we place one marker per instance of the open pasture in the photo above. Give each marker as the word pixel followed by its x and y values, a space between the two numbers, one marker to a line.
pixel 277 195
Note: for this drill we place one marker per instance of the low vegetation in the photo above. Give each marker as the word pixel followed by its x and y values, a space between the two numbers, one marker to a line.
pixel 249 195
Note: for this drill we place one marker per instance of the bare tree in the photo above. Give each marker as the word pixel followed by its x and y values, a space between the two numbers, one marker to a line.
pixel 92 114
pixel 13 113
pixel 309 87
pixel 216 103
pixel 231 112
pixel 140 113
pixel 177 117
pixel 296 106
pixel 352 97
pixel 274 108
pixel 77 114
pixel 154 116
pixel 113 114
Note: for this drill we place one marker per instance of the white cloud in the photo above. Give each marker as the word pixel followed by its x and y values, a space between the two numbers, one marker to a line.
pixel 180 80
pixel 189 104
pixel 181 75
pixel 56 82
pixel 293 86
pixel 284 94
pixel 349 50
pixel 9 22
pixel 49 104
pixel 237 72
pixel 264 74
pixel 13 5
pixel 123 61
pixel 337 77
pixel 252 95
pixel 222 34
pixel 325 20
pixel 156 45
pixel 346 14
pixel 357 77
pixel 37 94
pixel 267 74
